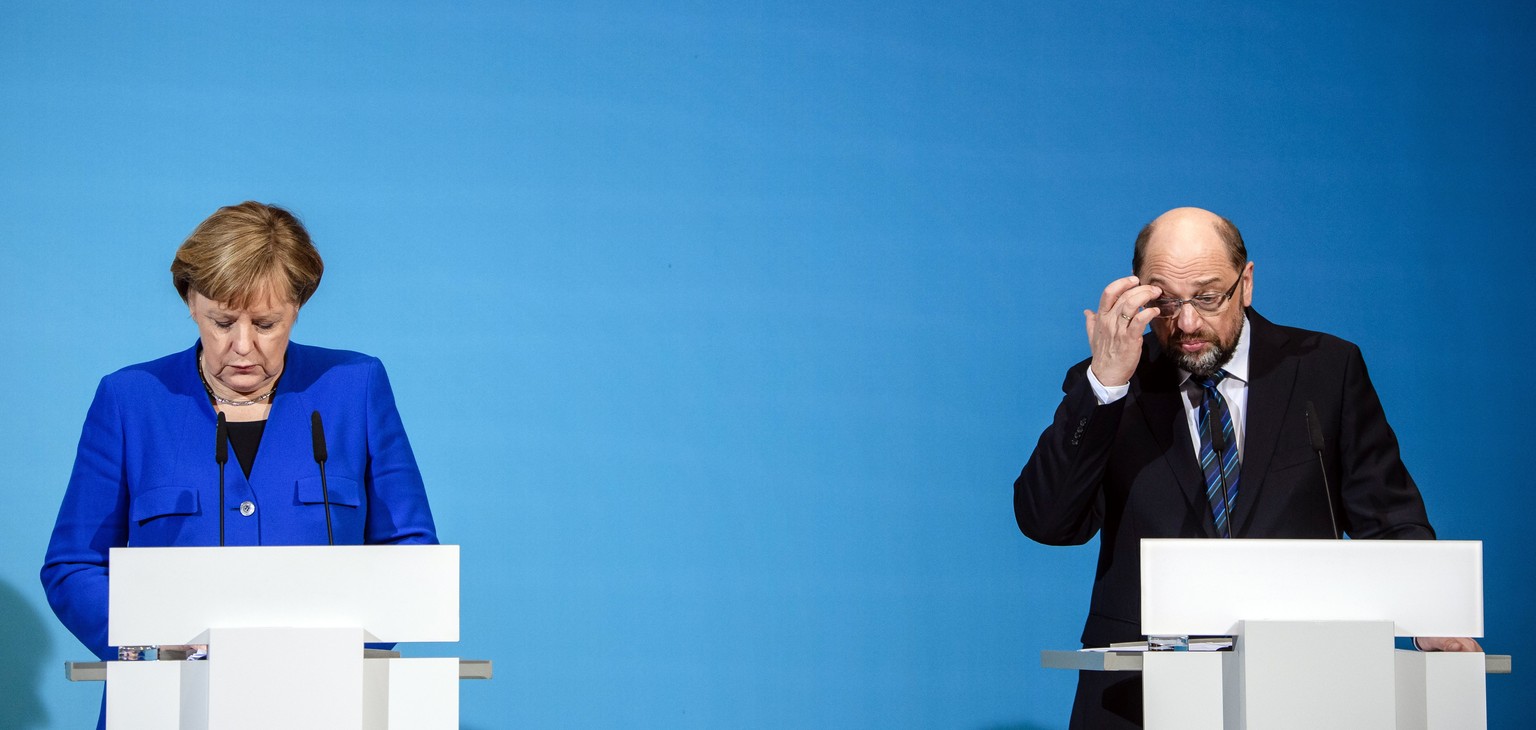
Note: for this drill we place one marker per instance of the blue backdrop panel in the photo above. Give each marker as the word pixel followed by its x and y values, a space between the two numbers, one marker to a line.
pixel 722 332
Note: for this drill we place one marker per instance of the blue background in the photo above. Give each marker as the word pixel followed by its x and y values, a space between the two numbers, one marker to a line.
pixel 721 331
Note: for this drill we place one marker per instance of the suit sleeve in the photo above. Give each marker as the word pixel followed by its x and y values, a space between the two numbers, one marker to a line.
pixel 1380 498
pixel 1059 498
pixel 93 518
pixel 398 512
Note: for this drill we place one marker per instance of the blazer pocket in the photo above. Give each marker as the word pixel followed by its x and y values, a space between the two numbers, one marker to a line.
pixel 1293 458
pixel 163 502
pixel 343 491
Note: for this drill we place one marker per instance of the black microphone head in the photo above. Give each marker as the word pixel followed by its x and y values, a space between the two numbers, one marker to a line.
pixel 221 441
pixel 1314 427
pixel 1218 440
pixel 317 433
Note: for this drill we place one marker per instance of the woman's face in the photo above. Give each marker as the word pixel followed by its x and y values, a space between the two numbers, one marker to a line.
pixel 243 348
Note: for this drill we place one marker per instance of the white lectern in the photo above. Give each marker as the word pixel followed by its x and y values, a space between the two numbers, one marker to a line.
pixel 1313 623
pixel 285 628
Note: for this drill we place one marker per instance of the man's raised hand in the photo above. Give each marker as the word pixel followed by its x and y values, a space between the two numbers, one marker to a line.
pixel 1114 332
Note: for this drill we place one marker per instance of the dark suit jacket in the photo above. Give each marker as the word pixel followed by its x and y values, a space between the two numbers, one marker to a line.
pixel 1127 470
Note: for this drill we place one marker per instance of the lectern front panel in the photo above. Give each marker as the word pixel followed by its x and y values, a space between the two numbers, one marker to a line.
pixel 1206 586
pixel 395 593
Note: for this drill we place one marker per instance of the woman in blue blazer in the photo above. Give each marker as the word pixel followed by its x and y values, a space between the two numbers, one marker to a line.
pixel 145 473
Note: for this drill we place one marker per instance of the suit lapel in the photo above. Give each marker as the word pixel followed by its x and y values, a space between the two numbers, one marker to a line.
pixel 1161 403
pixel 1272 378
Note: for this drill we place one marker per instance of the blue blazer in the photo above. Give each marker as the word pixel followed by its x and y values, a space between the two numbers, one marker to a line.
pixel 145 474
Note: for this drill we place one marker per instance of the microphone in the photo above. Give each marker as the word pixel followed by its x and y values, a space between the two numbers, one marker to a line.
pixel 317 435
pixel 221 455
pixel 1315 431
pixel 1219 447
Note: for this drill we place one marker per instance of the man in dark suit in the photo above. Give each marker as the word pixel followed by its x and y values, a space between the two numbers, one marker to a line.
pixel 1199 429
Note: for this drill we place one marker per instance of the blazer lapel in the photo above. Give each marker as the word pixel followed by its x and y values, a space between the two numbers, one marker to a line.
pixel 1272 379
pixel 286 443
pixel 1161 403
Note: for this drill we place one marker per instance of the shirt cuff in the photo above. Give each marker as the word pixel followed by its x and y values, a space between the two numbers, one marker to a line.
pixel 1104 393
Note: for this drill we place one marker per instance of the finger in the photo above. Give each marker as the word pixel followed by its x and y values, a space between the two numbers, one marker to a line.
pixel 1090 319
pixel 1144 318
pixel 1113 292
pixel 1130 308
pixel 1133 299
pixel 1448 643
pixel 1143 294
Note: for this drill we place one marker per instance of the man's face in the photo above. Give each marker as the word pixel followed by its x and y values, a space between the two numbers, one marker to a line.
pixel 1187 258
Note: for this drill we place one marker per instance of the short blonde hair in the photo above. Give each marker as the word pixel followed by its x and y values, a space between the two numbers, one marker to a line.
pixel 240 250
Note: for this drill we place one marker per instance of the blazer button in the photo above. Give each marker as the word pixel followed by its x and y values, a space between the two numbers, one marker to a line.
pixel 247 508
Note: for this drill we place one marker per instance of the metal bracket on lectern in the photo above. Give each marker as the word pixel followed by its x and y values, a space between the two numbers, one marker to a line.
pixel 97 671
pixel 1130 661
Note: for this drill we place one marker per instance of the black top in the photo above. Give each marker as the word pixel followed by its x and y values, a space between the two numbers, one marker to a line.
pixel 245 436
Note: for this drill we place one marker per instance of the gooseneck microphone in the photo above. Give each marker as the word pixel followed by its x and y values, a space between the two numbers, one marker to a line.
pixel 1315 431
pixel 221 455
pixel 317 435
pixel 1219 446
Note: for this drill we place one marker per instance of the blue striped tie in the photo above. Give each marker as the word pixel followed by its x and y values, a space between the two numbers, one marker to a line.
pixel 1218 466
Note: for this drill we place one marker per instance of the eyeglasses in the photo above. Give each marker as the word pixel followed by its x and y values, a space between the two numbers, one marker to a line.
pixel 1203 303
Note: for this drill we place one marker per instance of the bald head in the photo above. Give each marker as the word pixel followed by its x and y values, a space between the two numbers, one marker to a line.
pixel 1186 225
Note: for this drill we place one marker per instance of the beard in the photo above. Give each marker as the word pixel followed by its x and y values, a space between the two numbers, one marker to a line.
pixel 1205 363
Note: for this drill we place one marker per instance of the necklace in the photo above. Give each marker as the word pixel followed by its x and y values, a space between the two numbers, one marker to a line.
pixel 226 401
